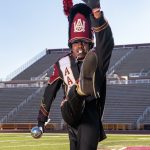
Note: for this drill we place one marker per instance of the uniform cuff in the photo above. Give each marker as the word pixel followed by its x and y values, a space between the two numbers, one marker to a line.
pixel 98 24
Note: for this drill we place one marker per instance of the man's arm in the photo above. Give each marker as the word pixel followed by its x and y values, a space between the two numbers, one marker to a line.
pixel 103 34
pixel 104 38
pixel 49 95
pixel 46 102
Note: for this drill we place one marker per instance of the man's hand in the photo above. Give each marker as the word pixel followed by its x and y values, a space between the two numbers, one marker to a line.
pixel 96 12
pixel 37 131
pixel 92 3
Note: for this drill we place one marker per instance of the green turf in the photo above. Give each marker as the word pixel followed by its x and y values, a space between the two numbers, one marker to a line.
pixel 118 141
pixel 51 141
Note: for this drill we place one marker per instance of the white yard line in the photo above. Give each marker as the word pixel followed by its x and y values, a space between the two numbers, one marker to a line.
pixel 35 145
pixel 43 138
pixel 3 141
pixel 122 148
pixel 125 140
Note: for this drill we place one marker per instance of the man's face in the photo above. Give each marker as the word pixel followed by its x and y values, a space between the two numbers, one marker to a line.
pixel 80 49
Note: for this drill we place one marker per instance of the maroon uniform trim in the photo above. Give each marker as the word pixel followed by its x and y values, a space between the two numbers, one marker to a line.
pixel 55 76
pixel 43 110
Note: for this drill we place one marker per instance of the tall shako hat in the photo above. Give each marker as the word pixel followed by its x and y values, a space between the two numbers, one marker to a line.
pixel 79 22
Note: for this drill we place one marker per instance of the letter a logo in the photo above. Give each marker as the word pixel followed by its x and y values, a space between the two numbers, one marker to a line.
pixel 79 26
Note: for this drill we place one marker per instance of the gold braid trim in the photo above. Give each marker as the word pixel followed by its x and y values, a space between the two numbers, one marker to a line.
pixel 43 110
pixel 54 80
pixel 102 27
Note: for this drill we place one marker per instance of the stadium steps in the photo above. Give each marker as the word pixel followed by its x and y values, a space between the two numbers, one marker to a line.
pixel 39 66
pixel 125 103
pixel 147 119
pixel 29 113
pixel 137 62
pixel 11 98
pixel 117 54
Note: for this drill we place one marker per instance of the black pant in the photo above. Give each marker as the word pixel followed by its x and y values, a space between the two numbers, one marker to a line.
pixel 83 119
pixel 86 135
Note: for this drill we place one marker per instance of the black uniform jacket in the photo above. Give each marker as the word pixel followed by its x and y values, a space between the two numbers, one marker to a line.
pixel 66 69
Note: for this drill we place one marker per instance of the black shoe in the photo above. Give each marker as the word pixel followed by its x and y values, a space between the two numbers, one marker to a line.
pixel 87 73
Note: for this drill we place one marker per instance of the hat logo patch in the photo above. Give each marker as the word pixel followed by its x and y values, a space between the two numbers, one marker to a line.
pixel 79 26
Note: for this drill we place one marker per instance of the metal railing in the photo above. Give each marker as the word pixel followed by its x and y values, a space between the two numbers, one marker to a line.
pixel 43 75
pixel 142 117
pixel 138 81
pixel 112 69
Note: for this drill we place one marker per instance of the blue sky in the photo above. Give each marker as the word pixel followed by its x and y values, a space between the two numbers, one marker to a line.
pixel 27 27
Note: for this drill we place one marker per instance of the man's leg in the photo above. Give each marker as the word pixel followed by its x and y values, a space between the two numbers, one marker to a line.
pixel 86 135
pixel 88 130
pixel 88 139
pixel 87 74
pixel 72 137
pixel 72 107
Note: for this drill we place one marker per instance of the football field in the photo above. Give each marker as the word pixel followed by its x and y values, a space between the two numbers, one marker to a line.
pixel 58 141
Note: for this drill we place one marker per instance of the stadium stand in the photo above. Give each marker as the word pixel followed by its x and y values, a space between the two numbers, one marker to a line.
pixel 118 56
pixel 146 122
pixel 10 98
pixel 39 66
pixel 125 103
pixel 136 64
pixel 28 113
pixel 127 99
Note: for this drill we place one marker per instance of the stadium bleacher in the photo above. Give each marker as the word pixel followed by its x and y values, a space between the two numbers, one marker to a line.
pixel 117 54
pixel 39 66
pixel 28 113
pixel 125 103
pixel 10 98
pixel 137 62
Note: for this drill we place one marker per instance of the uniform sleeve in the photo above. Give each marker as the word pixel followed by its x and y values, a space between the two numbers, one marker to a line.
pixel 104 41
pixel 49 94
